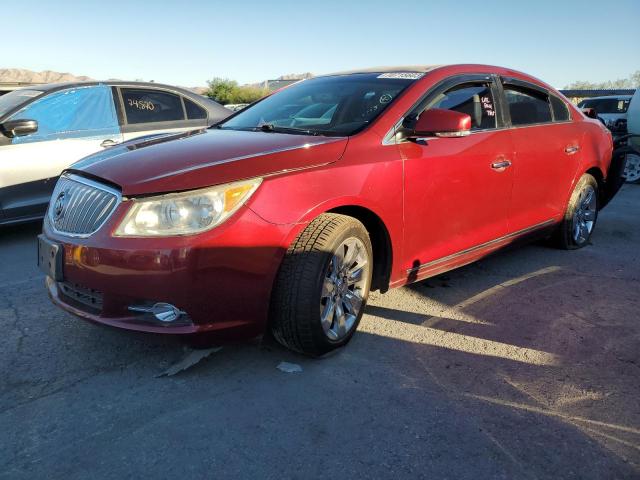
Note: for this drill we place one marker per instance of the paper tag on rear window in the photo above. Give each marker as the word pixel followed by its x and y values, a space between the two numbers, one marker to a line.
pixel 405 75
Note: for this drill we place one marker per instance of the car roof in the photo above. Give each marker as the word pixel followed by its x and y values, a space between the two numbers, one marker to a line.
pixel 607 97
pixel 216 111
pixel 48 87
pixel 388 69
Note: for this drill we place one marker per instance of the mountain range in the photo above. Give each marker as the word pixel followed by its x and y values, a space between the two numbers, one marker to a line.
pixel 21 75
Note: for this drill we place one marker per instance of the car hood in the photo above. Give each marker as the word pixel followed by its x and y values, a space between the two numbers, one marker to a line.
pixel 201 158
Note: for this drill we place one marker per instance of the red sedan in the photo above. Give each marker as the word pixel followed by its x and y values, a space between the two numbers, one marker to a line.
pixel 285 215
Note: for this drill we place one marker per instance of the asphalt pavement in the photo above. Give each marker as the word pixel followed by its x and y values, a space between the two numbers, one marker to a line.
pixel 524 365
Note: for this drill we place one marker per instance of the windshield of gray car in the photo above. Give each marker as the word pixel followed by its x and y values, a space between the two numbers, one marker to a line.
pixel 13 99
pixel 334 105
pixel 607 105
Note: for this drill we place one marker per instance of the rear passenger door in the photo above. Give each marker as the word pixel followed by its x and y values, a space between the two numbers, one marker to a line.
pixel 547 153
pixel 147 111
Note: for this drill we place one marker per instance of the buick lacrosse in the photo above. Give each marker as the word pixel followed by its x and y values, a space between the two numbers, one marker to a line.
pixel 284 216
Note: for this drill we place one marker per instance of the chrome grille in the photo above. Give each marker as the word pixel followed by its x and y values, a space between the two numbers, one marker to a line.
pixel 79 207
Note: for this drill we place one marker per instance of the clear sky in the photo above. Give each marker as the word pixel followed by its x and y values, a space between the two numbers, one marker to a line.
pixel 188 42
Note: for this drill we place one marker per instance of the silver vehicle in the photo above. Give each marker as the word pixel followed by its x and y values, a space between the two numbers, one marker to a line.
pixel 632 171
pixel 610 108
pixel 45 129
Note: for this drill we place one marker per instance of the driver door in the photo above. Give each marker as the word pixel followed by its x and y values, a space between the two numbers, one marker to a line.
pixel 457 189
pixel 72 124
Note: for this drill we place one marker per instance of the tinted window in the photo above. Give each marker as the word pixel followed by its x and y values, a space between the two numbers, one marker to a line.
pixel 145 106
pixel 527 106
pixel 336 105
pixel 474 100
pixel 194 112
pixel 560 109
pixel 71 113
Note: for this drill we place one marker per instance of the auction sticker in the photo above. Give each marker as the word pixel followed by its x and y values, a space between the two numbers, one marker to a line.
pixel 404 75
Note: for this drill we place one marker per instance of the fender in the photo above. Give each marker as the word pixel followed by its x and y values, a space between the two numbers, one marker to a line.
pixel 595 155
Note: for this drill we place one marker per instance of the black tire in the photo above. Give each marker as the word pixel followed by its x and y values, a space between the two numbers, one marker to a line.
pixel 564 237
pixel 295 315
pixel 636 159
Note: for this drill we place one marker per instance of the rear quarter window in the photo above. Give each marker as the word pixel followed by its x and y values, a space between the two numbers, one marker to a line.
pixel 194 111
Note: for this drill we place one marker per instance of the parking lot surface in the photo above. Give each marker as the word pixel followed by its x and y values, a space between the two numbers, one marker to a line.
pixel 524 365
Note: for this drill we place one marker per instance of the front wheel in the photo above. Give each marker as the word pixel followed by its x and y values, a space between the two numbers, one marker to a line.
pixel 581 215
pixel 322 285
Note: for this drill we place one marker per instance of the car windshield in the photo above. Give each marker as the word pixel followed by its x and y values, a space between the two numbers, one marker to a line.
pixel 333 106
pixel 607 105
pixel 13 99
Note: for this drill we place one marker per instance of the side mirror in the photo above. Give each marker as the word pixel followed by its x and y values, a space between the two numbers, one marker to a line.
pixel 442 123
pixel 590 112
pixel 19 128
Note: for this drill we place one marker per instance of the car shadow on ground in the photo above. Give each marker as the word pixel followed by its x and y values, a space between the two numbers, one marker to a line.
pixel 529 332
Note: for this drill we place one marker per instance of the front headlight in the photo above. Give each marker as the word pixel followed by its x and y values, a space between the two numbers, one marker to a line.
pixel 185 213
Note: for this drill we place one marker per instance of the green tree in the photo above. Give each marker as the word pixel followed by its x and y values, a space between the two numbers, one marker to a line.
pixel 225 91
pixel 632 81
pixel 222 90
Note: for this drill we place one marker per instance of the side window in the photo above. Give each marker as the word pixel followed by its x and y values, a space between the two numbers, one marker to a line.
pixel 476 100
pixel 560 109
pixel 148 106
pixel 194 111
pixel 72 113
pixel 527 106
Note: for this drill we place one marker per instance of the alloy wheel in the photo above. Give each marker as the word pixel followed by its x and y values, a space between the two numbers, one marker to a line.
pixel 344 288
pixel 585 214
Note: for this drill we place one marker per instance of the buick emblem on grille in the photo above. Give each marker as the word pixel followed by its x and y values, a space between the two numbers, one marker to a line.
pixel 58 207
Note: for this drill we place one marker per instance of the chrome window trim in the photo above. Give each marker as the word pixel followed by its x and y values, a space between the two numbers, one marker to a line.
pixel 91 183
pixel 390 137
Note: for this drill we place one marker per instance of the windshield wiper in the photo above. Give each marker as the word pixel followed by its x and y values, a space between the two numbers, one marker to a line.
pixel 270 127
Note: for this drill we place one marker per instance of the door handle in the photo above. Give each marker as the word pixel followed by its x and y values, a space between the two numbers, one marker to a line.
pixel 108 143
pixel 571 149
pixel 501 165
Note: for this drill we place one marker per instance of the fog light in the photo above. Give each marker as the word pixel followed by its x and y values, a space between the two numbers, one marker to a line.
pixel 163 312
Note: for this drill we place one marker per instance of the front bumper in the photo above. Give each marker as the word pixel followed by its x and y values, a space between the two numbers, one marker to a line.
pixel 221 279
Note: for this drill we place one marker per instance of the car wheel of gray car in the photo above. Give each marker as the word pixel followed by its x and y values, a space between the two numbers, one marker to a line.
pixel 322 285
pixel 632 170
pixel 581 215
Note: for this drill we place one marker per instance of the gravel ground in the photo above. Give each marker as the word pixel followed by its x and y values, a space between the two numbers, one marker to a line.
pixel 525 365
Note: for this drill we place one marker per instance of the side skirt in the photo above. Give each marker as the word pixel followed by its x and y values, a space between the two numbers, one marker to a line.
pixel 470 255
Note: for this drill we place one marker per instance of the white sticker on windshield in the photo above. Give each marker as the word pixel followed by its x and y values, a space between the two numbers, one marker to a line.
pixel 404 75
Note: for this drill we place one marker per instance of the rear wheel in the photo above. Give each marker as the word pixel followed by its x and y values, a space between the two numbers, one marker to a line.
pixel 581 215
pixel 632 170
pixel 322 286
